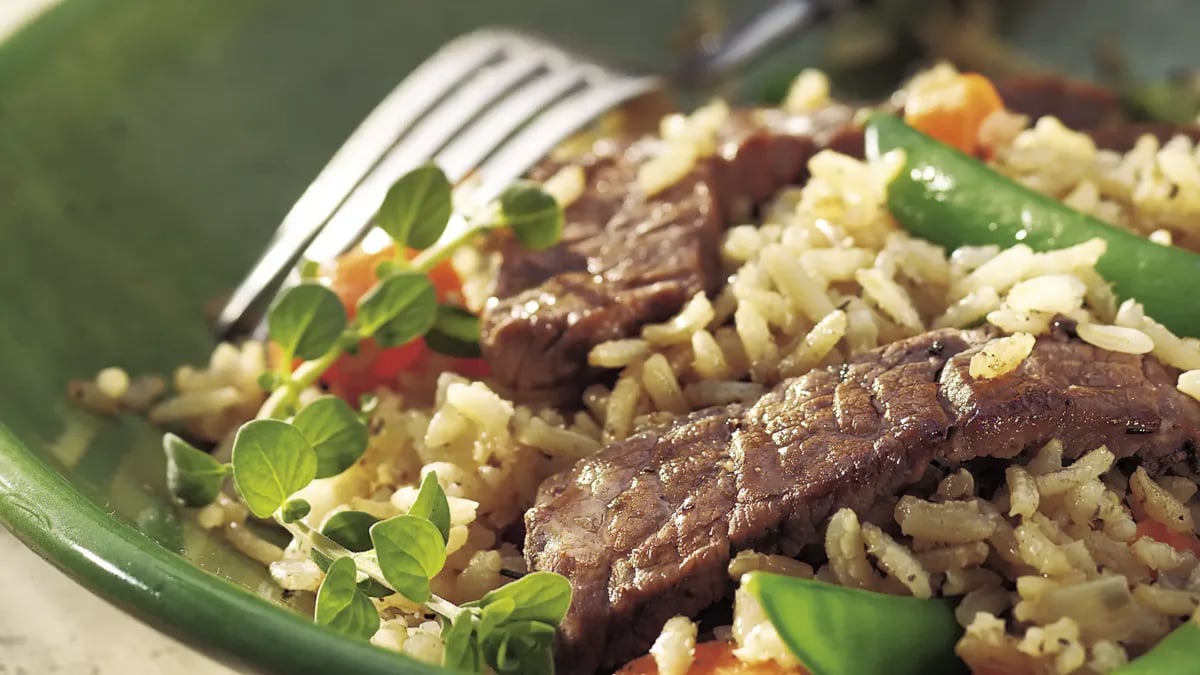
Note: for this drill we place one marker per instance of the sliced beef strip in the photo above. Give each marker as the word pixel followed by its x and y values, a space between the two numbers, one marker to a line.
pixel 1084 107
pixel 1122 137
pixel 644 530
pixel 626 260
pixel 1077 104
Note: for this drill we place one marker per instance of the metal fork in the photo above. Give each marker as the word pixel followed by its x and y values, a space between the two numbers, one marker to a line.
pixel 492 103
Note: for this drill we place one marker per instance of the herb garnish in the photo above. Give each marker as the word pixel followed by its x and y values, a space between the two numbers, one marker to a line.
pixel 510 629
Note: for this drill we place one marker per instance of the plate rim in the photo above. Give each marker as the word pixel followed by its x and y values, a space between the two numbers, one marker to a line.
pixel 165 590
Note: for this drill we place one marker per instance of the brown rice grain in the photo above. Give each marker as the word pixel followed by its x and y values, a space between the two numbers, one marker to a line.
pixel 897 561
pixel 957 522
pixel 954 557
pixel 1087 467
pixel 752 561
pixel 816 345
pixel 618 353
pixel 891 298
pixel 710 393
pixel 1001 356
pixel 622 402
pixel 694 316
pixel 1167 601
pixel 1160 504
pixel 1023 496
pixel 557 441
pixel 662 387
pixel 708 359
pixel 805 293
pixel 847 553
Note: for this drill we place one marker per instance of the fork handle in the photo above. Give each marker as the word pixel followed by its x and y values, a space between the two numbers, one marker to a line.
pixel 747 43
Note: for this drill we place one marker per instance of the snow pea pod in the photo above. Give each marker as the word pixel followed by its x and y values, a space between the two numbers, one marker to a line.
pixel 955 200
pixel 836 630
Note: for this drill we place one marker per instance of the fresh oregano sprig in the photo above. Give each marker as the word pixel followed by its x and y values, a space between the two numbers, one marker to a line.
pixel 511 629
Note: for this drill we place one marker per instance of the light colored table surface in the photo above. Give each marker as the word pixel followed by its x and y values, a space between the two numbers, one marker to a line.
pixel 49 625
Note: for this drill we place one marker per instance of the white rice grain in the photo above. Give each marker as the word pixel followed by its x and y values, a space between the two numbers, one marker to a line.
pixel 1189 383
pixel 1115 338
pixel 1052 293
pixel 675 647
pixel 618 353
pixel 816 345
pixel 804 292
pixel 694 316
pixel 891 298
pixel 566 185
pixel 1001 356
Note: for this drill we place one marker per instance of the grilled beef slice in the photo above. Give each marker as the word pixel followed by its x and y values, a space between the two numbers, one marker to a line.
pixel 645 529
pixel 626 260
pixel 1085 107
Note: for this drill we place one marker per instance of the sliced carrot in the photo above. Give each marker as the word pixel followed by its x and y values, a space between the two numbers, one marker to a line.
pixel 1159 532
pixel 355 273
pixel 371 366
pixel 953 109
pixel 712 658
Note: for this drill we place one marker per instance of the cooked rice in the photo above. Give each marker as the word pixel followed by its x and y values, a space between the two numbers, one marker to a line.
pixel 675 647
pixel 1078 593
pixel 826 276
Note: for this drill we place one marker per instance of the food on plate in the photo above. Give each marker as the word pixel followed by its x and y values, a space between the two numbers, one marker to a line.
pixel 901 389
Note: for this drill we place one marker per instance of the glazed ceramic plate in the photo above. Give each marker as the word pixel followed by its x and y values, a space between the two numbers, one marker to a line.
pixel 147 150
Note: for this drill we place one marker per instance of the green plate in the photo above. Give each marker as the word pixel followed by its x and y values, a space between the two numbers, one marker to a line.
pixel 147 150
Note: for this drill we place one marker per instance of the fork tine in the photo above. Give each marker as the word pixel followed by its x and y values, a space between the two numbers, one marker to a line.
pixel 469 148
pixel 540 136
pixel 379 131
pixel 352 218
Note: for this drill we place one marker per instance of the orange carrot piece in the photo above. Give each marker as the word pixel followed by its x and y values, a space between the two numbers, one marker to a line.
pixel 952 111
pixel 1159 532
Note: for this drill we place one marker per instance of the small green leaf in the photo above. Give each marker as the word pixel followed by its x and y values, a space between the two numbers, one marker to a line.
pixel 295 509
pixel 417 207
pixel 268 380
pixel 271 461
pixel 309 269
pixel 341 606
pixel 306 321
pixel 455 332
pixel 525 647
pixel 323 561
pixel 534 216
pixel 462 644
pixel 193 476
pixel 411 552
pixel 538 596
pixel 494 615
pixel 817 620
pixel 431 504
pixel 385 269
pixel 398 309
pixel 374 589
pixel 350 529
pixel 335 433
